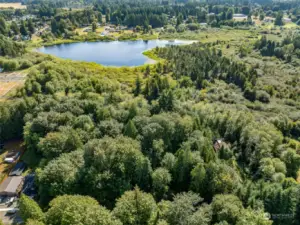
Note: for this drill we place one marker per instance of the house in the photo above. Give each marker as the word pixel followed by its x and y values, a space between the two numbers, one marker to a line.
pixel 287 20
pixel 218 144
pixel 11 186
pixel 87 29
pixel 18 169
pixel 269 20
pixel 239 16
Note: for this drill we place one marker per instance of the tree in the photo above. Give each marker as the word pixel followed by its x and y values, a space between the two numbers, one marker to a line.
pixel 229 13
pixel 168 161
pixel 60 176
pixel 14 28
pixel 138 86
pixel 202 216
pixel 113 166
pixel 34 222
pixel 226 208
pixel 107 16
pixel 29 209
pixel 216 178
pixel 78 210
pixel 179 19
pixel 166 100
pixel 252 217
pixel 94 26
pixel 135 207
pixel 23 29
pixel 56 143
pixel 3 29
pixel 130 129
pixel 30 26
pixel 278 20
pixel 182 208
pixel 161 179
pixel 54 26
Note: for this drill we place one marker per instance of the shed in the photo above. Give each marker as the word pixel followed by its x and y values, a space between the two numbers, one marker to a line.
pixel 18 169
pixel 11 186
pixel 219 143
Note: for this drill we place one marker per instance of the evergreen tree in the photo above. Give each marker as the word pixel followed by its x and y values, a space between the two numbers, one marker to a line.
pixel 14 28
pixel 30 26
pixel 23 29
pixel 94 26
pixel 3 29
pixel 138 86
pixel 130 129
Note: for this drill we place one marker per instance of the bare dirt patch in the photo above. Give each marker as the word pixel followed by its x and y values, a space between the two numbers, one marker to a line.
pixel 9 82
pixel 16 5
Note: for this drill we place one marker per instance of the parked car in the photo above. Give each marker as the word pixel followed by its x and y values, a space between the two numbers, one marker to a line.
pixel 2 199
pixel 12 211
pixel 12 156
pixel 10 200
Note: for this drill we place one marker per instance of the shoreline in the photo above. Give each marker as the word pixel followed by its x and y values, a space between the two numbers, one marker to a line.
pixel 151 57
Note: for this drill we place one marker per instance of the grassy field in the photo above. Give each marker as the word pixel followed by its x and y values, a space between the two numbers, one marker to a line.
pixel 6 87
pixel 16 5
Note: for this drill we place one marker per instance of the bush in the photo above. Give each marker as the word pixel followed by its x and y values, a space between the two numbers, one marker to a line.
pixel 181 28
pixel 26 64
pixel 10 65
pixel 193 26
pixel 279 53
pixel 170 29
pixel 262 96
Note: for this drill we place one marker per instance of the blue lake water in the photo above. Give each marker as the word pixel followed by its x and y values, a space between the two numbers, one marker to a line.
pixel 114 53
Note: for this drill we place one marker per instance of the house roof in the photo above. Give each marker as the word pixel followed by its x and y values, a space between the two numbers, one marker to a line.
pixel 10 185
pixel 239 15
pixel 18 169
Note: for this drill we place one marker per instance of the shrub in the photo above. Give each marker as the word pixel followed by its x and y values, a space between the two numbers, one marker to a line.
pixel 26 64
pixel 262 96
pixel 10 65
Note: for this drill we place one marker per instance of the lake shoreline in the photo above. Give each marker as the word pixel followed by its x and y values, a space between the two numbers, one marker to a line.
pixel 110 53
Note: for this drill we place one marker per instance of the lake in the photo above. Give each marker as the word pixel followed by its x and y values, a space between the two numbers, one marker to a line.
pixel 114 53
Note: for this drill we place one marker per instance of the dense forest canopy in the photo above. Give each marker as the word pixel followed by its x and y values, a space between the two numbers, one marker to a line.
pixel 209 134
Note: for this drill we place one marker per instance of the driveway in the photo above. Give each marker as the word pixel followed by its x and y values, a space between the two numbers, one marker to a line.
pixel 8 219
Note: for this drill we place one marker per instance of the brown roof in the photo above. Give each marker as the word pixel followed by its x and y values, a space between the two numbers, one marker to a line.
pixel 11 185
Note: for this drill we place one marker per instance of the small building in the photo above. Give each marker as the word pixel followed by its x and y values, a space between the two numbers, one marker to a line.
pixel 11 186
pixel 287 20
pixel 87 29
pixel 239 15
pixel 218 144
pixel 18 169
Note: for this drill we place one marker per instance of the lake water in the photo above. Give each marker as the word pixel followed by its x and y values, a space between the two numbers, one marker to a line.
pixel 114 53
